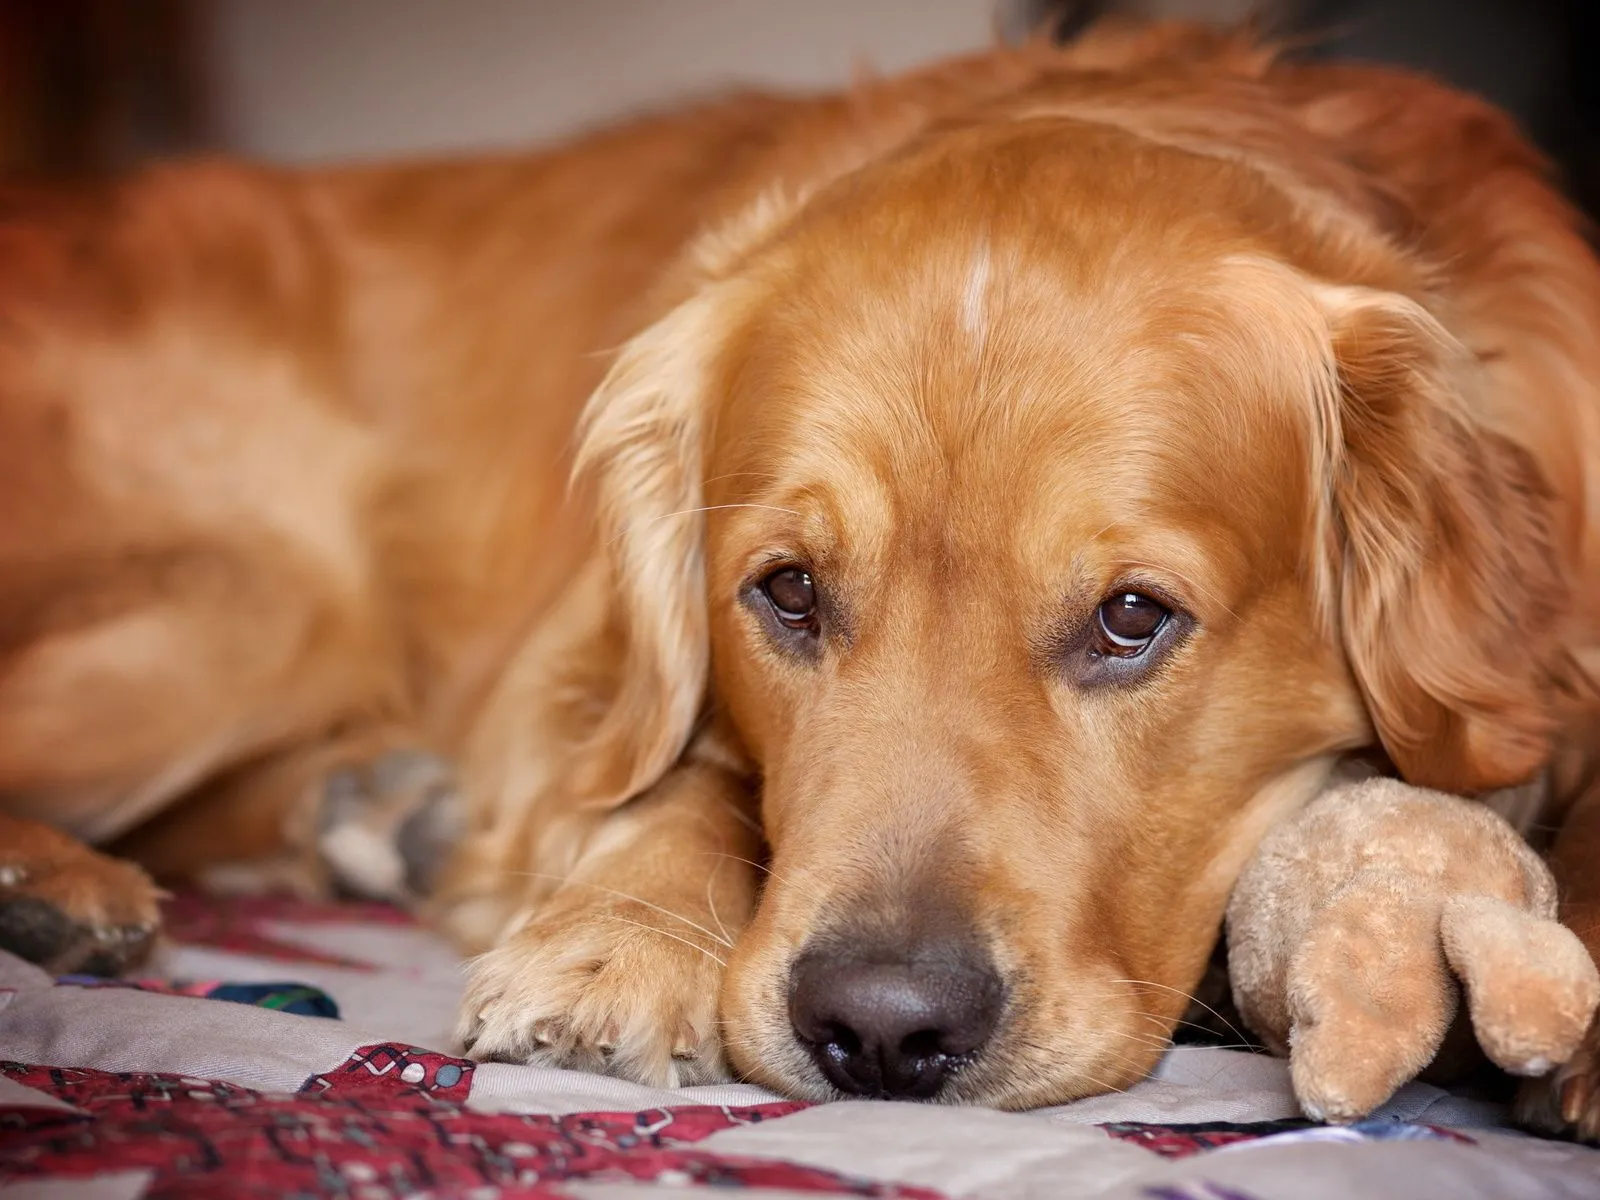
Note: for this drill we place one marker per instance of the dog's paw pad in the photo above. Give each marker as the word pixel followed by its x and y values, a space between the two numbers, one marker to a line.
pixel 84 914
pixel 385 827
pixel 606 988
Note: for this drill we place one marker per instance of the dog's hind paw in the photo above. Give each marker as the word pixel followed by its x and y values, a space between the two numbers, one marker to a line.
pixel 606 985
pixel 385 827
pixel 76 911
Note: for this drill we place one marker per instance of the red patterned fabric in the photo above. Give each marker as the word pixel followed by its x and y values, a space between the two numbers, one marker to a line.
pixel 388 1122
pixel 1181 1141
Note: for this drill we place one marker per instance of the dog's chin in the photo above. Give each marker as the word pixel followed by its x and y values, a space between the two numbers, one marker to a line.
pixel 779 1063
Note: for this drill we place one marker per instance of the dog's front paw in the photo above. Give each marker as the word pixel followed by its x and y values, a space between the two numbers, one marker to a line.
pixel 613 986
pixel 75 910
pixel 1567 1101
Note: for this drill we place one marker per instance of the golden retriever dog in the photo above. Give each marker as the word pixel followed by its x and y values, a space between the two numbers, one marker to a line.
pixel 854 576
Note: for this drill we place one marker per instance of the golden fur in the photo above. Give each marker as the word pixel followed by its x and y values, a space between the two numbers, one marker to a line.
pixel 1311 353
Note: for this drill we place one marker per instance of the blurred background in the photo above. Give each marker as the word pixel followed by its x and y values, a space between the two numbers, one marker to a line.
pixel 94 85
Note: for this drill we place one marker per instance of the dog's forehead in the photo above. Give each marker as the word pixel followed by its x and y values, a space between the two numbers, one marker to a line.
pixel 1012 347
pixel 994 399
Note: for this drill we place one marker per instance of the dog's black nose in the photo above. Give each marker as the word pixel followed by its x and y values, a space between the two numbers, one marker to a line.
pixel 894 1030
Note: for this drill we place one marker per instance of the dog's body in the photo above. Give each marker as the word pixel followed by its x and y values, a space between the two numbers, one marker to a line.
pixel 1300 366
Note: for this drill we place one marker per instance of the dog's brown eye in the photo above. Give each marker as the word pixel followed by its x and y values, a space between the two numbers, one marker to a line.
pixel 1128 623
pixel 793 596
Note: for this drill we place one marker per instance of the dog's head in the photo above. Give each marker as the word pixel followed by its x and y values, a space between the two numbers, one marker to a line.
pixel 1039 511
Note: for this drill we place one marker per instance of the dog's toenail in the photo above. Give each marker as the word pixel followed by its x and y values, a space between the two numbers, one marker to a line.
pixel 11 876
pixel 546 1030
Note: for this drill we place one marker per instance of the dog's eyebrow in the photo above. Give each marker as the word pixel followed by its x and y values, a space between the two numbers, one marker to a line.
pixel 1187 580
pixel 741 474
pixel 689 512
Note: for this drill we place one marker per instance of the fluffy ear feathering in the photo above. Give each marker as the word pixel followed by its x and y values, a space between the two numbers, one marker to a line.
pixel 1440 565
pixel 640 448
pixel 619 681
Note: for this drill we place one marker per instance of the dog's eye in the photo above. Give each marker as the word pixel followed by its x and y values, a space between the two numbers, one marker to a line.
pixel 793 596
pixel 1128 623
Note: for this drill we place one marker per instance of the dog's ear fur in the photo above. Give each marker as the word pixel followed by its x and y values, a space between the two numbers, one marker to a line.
pixel 640 450
pixel 1444 579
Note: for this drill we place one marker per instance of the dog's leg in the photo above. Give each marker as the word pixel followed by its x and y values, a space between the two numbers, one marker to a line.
pixel 368 814
pixel 617 968
pixel 1569 1099
pixel 69 908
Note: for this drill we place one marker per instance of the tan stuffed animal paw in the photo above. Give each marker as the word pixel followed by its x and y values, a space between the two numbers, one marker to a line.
pixel 1359 924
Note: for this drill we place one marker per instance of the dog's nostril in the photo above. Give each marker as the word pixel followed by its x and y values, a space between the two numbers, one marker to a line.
pixel 925 1043
pixel 842 1040
pixel 894 1029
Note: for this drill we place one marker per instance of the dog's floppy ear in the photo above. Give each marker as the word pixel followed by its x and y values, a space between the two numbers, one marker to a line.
pixel 641 447
pixel 1445 578
pixel 640 451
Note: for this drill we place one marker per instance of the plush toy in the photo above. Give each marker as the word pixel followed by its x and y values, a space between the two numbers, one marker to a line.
pixel 1361 923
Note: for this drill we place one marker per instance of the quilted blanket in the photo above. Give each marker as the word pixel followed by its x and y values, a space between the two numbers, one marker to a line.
pixel 285 1050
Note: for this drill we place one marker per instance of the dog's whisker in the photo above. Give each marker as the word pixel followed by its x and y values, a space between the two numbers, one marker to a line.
pixel 1141 1040
pixel 706 508
pixel 787 881
pixel 1145 1039
pixel 664 933
pixel 1127 1061
pixel 1189 996
pixel 711 904
pixel 566 881
pixel 1151 1017
pixel 1104 1086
